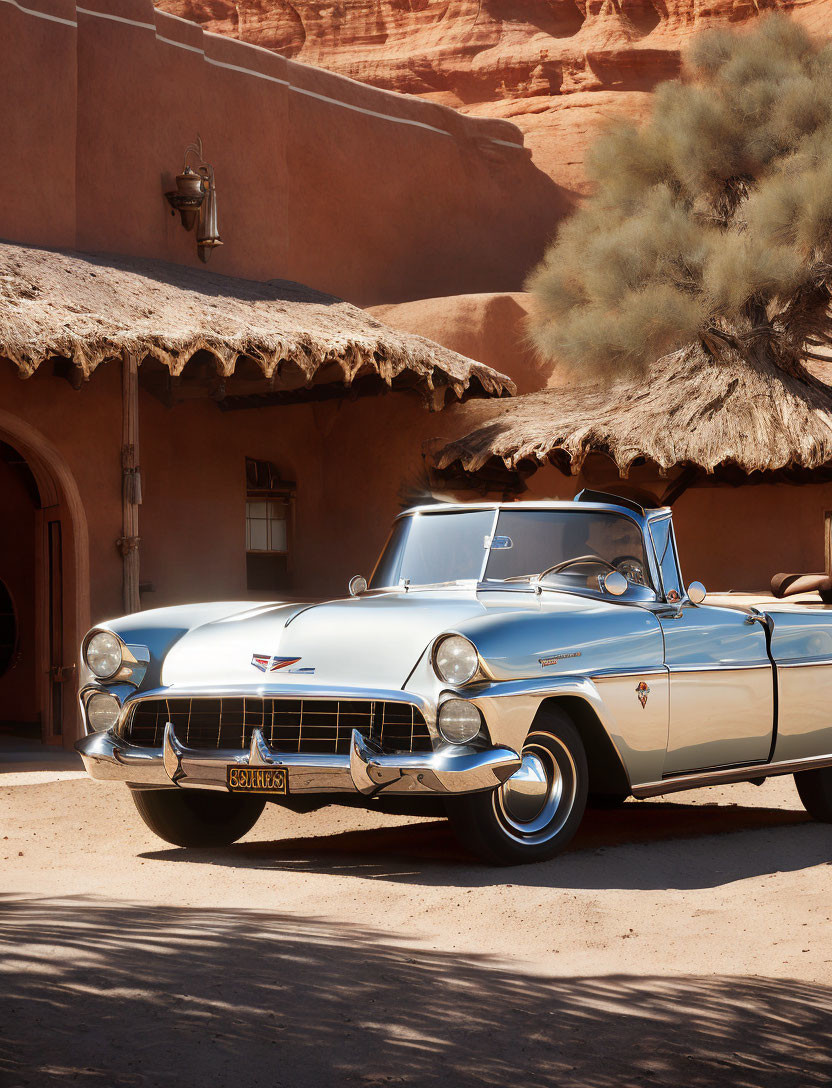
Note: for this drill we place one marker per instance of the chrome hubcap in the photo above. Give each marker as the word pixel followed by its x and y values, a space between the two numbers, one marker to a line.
pixel 527 791
pixel 533 805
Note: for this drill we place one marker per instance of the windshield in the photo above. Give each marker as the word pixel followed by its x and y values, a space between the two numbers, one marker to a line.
pixel 572 548
pixel 425 549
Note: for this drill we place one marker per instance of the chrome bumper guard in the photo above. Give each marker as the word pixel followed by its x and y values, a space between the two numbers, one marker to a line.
pixel 365 770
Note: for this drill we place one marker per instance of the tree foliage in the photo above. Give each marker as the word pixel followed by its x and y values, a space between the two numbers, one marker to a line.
pixel 712 222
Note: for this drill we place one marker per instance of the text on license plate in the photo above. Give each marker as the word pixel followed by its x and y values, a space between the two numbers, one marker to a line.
pixel 256 779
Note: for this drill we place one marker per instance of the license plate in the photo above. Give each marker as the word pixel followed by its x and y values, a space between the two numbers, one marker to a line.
pixel 256 779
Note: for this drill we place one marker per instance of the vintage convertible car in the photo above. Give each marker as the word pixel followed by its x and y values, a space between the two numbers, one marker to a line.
pixel 507 661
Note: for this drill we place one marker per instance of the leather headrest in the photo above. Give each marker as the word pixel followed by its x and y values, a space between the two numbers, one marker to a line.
pixel 789 585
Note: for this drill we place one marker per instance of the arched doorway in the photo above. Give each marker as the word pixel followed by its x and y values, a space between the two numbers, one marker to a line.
pixel 44 599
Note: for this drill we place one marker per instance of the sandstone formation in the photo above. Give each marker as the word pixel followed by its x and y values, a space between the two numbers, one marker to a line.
pixel 554 67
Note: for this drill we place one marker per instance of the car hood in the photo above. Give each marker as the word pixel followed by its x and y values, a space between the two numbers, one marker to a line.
pixel 371 641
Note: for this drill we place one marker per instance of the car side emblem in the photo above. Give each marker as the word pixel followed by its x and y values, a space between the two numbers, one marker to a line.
pixel 553 659
pixel 642 691
pixel 266 663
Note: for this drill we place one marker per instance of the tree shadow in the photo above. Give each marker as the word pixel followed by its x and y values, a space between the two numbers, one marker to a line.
pixel 633 848
pixel 102 993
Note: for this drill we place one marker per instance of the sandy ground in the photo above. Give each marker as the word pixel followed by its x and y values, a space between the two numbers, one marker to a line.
pixel 683 942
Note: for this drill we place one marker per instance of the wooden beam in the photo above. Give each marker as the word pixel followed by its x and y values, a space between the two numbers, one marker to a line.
pixel 686 478
pixel 131 486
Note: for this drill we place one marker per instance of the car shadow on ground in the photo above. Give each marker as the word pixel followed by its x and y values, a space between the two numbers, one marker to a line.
pixel 101 993
pixel 639 846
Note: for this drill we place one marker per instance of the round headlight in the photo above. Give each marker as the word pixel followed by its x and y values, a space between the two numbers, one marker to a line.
pixel 455 660
pixel 103 655
pixel 103 710
pixel 459 721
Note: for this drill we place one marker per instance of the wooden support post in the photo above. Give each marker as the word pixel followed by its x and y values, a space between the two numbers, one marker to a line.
pixel 131 488
pixel 827 541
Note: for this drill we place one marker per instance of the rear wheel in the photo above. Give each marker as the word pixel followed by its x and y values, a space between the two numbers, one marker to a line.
pixel 815 789
pixel 533 815
pixel 188 817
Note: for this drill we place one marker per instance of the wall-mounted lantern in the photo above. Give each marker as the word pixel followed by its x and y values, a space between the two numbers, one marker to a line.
pixel 195 198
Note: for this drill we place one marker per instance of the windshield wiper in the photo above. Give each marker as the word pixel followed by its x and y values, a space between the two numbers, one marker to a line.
pixel 408 585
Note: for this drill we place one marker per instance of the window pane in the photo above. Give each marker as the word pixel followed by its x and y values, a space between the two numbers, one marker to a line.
pixel 257 509
pixel 278 536
pixel 258 540
pixel 666 556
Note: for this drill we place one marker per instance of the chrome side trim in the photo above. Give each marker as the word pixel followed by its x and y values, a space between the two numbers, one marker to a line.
pixel 733 666
pixel 535 685
pixel 450 770
pixel 613 674
pixel 803 663
pixel 730 774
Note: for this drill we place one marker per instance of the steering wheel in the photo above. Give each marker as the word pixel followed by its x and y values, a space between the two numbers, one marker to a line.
pixel 558 568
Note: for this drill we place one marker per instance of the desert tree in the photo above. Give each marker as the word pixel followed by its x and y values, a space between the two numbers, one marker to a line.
pixel 711 223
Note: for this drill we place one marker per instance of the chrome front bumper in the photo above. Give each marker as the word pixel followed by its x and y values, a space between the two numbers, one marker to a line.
pixel 365 770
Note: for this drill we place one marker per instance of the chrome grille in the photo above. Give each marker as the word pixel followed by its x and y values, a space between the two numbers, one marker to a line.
pixel 289 725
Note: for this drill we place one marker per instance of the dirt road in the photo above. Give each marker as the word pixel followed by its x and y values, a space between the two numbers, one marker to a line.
pixel 684 942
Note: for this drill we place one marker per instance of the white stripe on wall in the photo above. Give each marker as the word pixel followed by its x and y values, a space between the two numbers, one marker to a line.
pixel 248 71
pixel 40 14
pixel 115 18
pixel 372 113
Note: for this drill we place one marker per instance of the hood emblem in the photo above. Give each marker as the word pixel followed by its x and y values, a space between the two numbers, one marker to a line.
pixel 642 691
pixel 267 663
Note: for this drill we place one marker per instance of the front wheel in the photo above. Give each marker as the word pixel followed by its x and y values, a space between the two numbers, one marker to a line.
pixel 187 817
pixel 815 789
pixel 534 814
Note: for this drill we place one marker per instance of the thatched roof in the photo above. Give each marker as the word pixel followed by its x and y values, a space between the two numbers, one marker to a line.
pixel 90 309
pixel 691 411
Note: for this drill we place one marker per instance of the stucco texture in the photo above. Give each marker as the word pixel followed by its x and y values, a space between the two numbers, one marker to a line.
pixel 371 195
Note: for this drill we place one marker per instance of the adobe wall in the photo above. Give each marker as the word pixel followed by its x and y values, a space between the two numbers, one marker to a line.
pixel 489 327
pixel 85 428
pixel 192 519
pixel 369 194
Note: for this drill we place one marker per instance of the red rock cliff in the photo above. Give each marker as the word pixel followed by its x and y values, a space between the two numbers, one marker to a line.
pixel 554 67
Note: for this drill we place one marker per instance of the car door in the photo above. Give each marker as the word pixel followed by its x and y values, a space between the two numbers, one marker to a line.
pixel 721 680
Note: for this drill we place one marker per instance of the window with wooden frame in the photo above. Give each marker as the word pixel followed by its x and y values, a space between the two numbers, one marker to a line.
pixel 270 504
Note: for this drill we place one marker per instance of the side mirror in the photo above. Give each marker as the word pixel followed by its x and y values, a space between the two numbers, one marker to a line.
pixel 357 585
pixel 696 593
pixel 615 583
